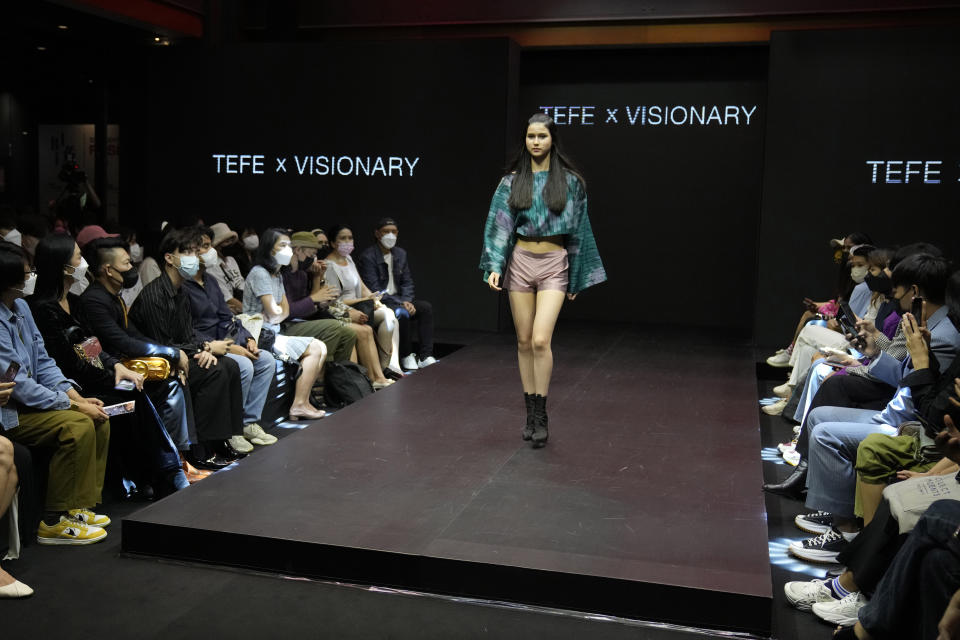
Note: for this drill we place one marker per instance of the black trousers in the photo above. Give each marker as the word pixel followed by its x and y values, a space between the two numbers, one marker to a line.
pixel 871 553
pixel 423 318
pixel 217 399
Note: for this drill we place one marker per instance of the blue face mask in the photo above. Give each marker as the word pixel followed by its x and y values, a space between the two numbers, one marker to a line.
pixel 189 265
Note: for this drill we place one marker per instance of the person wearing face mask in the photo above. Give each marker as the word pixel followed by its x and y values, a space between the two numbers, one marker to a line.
pixel 45 410
pixel 311 299
pixel 384 267
pixel 264 294
pixel 102 306
pixel 214 322
pixel 813 338
pixel 344 279
pixel 226 271
pixel 143 451
pixel 162 313
pixel 836 432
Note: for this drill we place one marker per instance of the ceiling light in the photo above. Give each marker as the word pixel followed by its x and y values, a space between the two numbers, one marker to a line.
pixel 62 27
pixel 41 48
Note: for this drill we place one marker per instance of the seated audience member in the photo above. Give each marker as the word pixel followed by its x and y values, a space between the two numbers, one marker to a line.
pixel 46 411
pixel 384 267
pixel 827 308
pixel 10 587
pixel 836 432
pixel 813 338
pixel 342 276
pixel 214 324
pixel 263 294
pixel 310 301
pixel 162 313
pixel 184 407
pixel 150 269
pixel 245 251
pixel 304 281
pixel 78 354
pixel 225 270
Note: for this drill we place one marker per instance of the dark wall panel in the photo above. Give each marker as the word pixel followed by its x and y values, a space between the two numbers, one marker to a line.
pixel 838 101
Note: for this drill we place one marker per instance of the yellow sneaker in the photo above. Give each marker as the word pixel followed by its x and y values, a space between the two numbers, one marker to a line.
pixel 87 517
pixel 69 531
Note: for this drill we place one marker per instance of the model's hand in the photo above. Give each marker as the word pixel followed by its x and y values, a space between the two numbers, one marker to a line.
pixel 412 310
pixel 6 390
pixel 205 359
pixel 122 373
pixel 494 281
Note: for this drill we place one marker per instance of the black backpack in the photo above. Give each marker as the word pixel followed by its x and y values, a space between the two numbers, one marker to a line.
pixel 344 383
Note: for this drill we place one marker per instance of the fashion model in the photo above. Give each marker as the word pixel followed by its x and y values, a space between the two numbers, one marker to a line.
pixel 538 237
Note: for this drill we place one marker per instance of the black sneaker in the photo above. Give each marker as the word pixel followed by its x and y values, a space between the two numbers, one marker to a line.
pixel 815 523
pixel 823 548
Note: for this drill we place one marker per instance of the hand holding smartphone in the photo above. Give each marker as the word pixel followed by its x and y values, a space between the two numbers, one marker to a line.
pixel 11 373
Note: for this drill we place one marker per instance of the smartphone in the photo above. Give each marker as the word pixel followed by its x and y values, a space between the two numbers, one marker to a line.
pixel 125 385
pixel 11 373
pixel 847 321
pixel 916 308
pixel 833 352
pixel 120 408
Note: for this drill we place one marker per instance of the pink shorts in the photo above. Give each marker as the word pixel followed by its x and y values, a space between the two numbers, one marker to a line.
pixel 531 272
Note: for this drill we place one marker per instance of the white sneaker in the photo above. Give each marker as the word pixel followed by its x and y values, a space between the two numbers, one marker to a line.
pixel 409 363
pixel 785 390
pixel 841 612
pixel 797 429
pixel 780 359
pixel 783 447
pixel 776 408
pixel 256 435
pixel 426 362
pixel 803 595
pixel 240 444
pixel 792 457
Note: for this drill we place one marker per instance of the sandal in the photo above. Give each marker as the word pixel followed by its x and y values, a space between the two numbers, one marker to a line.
pixel 306 414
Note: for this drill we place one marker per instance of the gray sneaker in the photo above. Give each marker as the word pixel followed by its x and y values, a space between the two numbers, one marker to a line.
pixel 842 612
pixel 803 595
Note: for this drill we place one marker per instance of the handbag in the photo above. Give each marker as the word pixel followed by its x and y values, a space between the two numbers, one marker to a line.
pixel 151 368
pixel 89 351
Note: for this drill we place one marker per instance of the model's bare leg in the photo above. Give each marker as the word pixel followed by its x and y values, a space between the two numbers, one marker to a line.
pixel 8 487
pixel 367 353
pixel 523 308
pixel 311 362
pixel 545 319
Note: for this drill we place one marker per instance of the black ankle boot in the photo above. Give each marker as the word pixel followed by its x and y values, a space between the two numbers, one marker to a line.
pixel 540 433
pixel 794 486
pixel 528 400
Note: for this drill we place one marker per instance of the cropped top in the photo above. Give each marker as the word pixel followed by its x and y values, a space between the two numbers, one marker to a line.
pixel 504 224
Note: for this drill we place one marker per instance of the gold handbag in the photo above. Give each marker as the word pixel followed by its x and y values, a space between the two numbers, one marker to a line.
pixel 149 368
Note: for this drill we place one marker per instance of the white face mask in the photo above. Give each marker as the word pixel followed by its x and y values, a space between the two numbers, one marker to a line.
pixel 857 274
pixel 251 242
pixel 136 253
pixel 13 236
pixel 210 257
pixel 388 240
pixel 283 256
pixel 80 270
pixel 29 285
pixel 189 265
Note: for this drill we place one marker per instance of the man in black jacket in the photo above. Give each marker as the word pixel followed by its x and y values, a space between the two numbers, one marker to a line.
pixel 384 267
pixel 176 400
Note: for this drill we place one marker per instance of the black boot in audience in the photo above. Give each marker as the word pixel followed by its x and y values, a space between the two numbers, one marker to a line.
pixel 794 486
pixel 540 433
pixel 528 400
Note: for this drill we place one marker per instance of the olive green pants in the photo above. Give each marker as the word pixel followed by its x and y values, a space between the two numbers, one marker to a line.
pixel 75 478
pixel 339 340
pixel 880 456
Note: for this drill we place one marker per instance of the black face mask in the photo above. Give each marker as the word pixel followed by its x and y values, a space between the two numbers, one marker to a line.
pixel 879 284
pixel 306 262
pixel 129 278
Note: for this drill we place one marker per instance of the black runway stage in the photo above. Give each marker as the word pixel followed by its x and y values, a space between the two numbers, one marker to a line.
pixel 645 503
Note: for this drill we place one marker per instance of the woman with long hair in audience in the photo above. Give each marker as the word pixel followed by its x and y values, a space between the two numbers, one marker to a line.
pixel 538 237
pixel 147 455
pixel 344 279
pixel 263 293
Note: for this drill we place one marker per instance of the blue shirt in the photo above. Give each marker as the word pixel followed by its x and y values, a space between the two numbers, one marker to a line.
pixel 40 383
pixel 860 299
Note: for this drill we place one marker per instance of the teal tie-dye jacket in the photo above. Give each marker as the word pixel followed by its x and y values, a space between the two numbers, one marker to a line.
pixel 503 226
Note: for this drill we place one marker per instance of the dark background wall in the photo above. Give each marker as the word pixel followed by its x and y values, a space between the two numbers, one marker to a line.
pixel 837 100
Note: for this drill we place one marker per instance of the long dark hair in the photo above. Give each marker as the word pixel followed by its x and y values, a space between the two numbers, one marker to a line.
pixel 264 255
pixel 555 190
pixel 53 253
